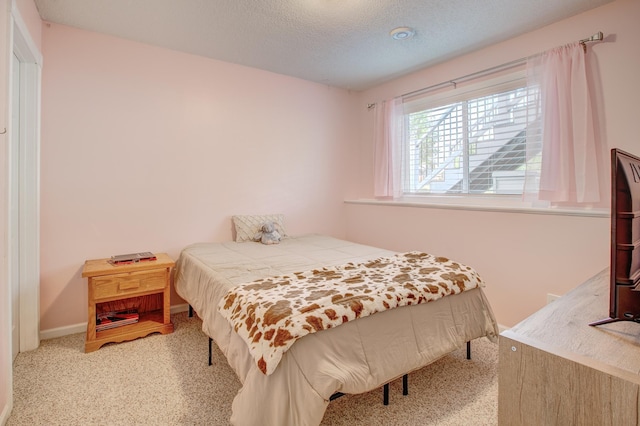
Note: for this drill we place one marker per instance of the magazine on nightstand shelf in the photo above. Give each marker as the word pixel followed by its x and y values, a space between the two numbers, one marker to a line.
pixel 107 320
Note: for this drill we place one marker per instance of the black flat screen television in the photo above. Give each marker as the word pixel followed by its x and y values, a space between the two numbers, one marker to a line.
pixel 624 289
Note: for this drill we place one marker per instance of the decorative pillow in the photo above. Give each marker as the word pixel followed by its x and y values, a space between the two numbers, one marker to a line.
pixel 247 226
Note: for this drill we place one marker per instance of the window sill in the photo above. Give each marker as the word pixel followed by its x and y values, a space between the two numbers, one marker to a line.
pixel 508 205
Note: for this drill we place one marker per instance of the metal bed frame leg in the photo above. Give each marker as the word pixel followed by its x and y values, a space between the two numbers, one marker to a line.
pixel 405 380
pixel 405 385
pixel 210 343
pixel 385 394
pixel 190 311
pixel 405 389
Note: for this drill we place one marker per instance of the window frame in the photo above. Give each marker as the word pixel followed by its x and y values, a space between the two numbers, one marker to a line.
pixel 488 86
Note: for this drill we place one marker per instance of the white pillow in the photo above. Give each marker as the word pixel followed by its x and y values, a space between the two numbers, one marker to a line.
pixel 247 226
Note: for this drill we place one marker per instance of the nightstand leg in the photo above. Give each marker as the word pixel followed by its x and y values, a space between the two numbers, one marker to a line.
pixel 89 345
pixel 166 299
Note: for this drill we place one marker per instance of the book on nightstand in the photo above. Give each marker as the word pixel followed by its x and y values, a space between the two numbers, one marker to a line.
pixel 107 320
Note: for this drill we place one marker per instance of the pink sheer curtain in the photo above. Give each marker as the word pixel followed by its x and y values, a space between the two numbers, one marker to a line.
pixel 386 156
pixel 569 165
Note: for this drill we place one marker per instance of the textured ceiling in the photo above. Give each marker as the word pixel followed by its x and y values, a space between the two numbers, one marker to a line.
pixel 343 43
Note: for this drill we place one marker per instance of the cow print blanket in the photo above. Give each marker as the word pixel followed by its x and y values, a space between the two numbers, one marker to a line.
pixel 271 313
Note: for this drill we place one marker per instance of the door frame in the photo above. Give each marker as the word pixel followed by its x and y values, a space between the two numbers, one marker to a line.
pixel 30 90
pixel 13 196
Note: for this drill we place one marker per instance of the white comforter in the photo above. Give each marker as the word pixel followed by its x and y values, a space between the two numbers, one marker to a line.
pixel 355 357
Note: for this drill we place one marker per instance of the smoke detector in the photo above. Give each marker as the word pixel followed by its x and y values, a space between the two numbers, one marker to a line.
pixel 402 33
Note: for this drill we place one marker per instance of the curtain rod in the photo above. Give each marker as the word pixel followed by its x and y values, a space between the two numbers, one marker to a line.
pixel 599 36
pixel 464 78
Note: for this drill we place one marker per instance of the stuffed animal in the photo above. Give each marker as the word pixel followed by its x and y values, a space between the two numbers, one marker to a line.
pixel 268 234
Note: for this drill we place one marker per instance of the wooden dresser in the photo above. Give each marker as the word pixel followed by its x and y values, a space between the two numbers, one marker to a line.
pixel 555 369
pixel 143 285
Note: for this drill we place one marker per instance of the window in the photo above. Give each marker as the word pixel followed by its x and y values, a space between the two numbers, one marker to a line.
pixel 471 140
pixel 505 142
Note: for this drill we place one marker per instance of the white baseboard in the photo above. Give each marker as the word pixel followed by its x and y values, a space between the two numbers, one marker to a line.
pixel 52 333
pixel 6 411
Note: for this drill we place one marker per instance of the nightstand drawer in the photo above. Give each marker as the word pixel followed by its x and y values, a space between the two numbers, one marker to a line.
pixel 128 283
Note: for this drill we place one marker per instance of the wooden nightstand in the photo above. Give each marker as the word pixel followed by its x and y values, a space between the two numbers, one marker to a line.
pixel 143 285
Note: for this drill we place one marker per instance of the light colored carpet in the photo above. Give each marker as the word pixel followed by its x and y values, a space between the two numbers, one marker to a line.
pixel 165 380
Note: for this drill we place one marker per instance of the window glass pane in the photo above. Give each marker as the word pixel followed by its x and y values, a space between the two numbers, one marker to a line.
pixel 472 146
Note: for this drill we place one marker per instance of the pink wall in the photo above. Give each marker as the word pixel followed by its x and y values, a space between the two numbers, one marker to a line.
pixel 150 149
pixel 522 256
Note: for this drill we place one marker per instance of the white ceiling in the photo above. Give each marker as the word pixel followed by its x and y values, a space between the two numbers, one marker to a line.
pixel 342 43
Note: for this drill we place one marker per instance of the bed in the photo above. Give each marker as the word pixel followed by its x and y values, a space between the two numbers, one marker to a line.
pixel 355 357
